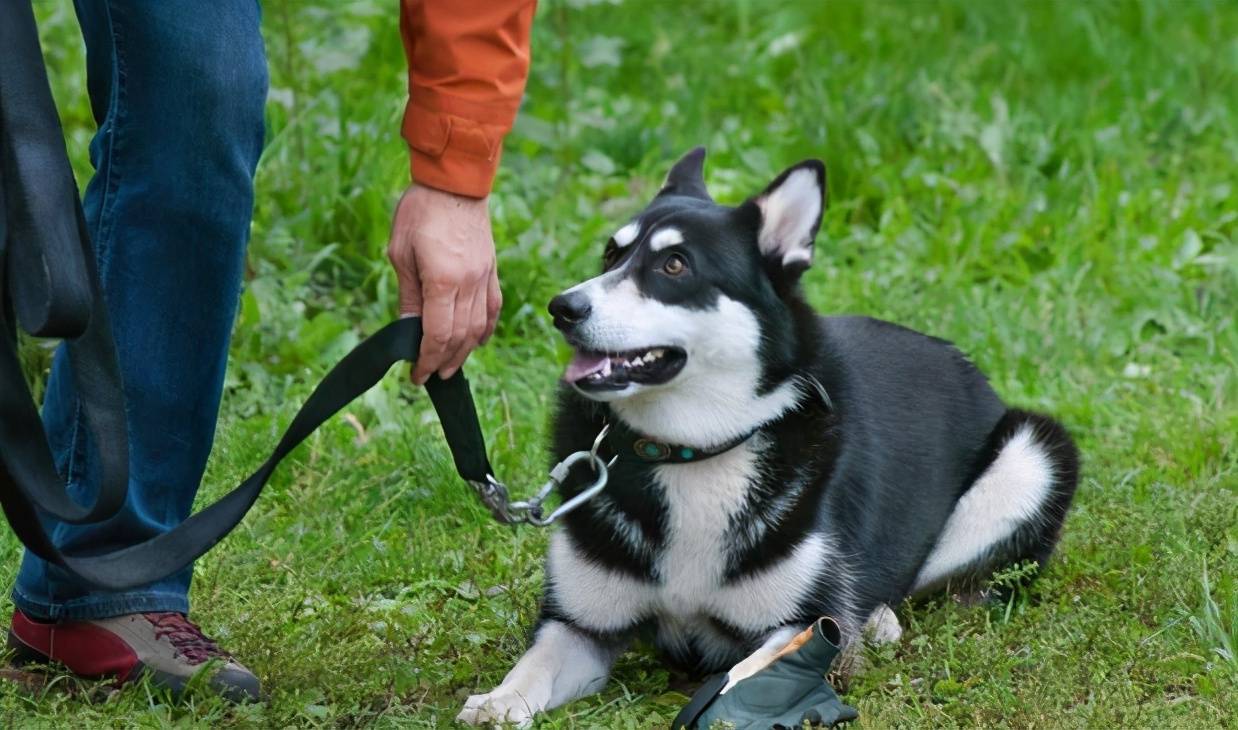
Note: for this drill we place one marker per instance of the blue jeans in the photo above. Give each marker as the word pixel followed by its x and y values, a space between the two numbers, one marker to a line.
pixel 177 88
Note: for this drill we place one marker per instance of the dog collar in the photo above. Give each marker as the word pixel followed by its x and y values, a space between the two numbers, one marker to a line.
pixel 626 444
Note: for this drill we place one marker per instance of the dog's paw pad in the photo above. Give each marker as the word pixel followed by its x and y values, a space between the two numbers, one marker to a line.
pixel 498 707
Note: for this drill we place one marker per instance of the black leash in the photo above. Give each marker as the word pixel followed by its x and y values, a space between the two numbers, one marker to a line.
pixel 48 285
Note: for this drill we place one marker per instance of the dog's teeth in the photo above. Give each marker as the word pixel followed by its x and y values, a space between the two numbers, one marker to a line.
pixel 637 362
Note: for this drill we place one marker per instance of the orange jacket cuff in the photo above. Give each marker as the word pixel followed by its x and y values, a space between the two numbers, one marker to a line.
pixel 452 153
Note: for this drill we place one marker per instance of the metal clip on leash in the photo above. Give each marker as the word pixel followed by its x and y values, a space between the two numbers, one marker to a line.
pixel 495 496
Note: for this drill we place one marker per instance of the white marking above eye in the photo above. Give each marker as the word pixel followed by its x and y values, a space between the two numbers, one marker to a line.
pixel 664 238
pixel 626 235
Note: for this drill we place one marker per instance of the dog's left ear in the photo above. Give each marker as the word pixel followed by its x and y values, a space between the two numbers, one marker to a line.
pixel 687 177
pixel 790 214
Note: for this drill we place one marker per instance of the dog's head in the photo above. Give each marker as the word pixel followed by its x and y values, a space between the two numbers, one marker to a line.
pixel 687 331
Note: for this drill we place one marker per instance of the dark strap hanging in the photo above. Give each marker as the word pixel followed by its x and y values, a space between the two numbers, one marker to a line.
pixel 49 286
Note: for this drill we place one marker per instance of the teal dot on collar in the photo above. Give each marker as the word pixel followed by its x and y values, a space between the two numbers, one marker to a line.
pixel 651 450
pixel 687 453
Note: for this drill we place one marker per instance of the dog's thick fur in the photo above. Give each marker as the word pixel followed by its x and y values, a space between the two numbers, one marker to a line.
pixel 877 464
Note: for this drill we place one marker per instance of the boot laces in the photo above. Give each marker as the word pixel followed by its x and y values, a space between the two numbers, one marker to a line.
pixel 185 637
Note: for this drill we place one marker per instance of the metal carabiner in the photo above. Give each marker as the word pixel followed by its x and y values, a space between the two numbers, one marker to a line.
pixel 495 495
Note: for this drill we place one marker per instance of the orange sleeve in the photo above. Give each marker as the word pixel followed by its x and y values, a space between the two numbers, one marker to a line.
pixel 468 61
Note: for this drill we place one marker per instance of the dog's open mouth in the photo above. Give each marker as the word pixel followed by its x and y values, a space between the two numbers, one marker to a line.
pixel 615 371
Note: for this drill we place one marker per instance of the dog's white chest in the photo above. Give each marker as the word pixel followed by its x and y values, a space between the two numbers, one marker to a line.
pixel 703 502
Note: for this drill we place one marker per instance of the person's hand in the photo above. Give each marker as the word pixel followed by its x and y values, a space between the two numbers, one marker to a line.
pixel 443 253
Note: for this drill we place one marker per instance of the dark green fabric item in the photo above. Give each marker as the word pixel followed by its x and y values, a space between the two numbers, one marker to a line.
pixel 785 694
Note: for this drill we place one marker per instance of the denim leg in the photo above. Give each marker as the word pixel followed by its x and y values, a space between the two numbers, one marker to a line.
pixel 177 88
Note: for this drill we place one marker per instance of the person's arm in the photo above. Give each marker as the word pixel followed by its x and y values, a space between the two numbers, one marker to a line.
pixel 468 62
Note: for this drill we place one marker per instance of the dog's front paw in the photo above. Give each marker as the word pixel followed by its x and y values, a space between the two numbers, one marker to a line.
pixel 882 626
pixel 501 705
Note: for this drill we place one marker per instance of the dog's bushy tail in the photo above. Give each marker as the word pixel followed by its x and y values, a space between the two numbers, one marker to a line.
pixel 1014 509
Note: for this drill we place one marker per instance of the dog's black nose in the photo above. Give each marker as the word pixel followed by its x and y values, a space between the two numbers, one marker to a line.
pixel 569 309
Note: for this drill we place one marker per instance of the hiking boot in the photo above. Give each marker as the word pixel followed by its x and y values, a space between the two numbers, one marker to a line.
pixel 166 646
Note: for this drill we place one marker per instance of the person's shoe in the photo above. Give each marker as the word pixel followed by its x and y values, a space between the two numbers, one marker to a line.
pixel 167 647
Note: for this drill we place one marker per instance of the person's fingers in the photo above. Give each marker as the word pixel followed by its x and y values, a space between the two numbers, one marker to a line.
pixel 494 303
pixel 437 325
pixel 410 291
pixel 466 312
pixel 474 328
pixel 403 258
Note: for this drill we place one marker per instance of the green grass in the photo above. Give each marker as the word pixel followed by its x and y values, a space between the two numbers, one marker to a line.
pixel 1049 185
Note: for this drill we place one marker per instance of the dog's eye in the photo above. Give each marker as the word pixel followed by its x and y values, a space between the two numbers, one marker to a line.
pixel 674 265
pixel 610 256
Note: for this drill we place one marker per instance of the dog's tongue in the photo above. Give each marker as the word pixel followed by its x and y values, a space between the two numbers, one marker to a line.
pixel 584 364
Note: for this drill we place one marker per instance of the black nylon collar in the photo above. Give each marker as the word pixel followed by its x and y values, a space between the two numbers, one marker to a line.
pixel 630 445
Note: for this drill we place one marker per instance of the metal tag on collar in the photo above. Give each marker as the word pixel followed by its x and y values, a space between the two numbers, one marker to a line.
pixel 651 450
pixel 494 493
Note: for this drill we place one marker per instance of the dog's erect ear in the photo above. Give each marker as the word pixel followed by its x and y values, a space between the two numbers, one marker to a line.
pixel 687 177
pixel 790 211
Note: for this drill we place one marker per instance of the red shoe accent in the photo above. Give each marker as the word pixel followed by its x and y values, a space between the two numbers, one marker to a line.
pixel 85 649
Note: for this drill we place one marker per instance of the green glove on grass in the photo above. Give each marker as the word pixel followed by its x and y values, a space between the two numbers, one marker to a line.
pixel 789 691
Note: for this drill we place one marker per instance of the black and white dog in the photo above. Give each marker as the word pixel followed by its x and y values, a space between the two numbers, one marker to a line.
pixel 774 466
